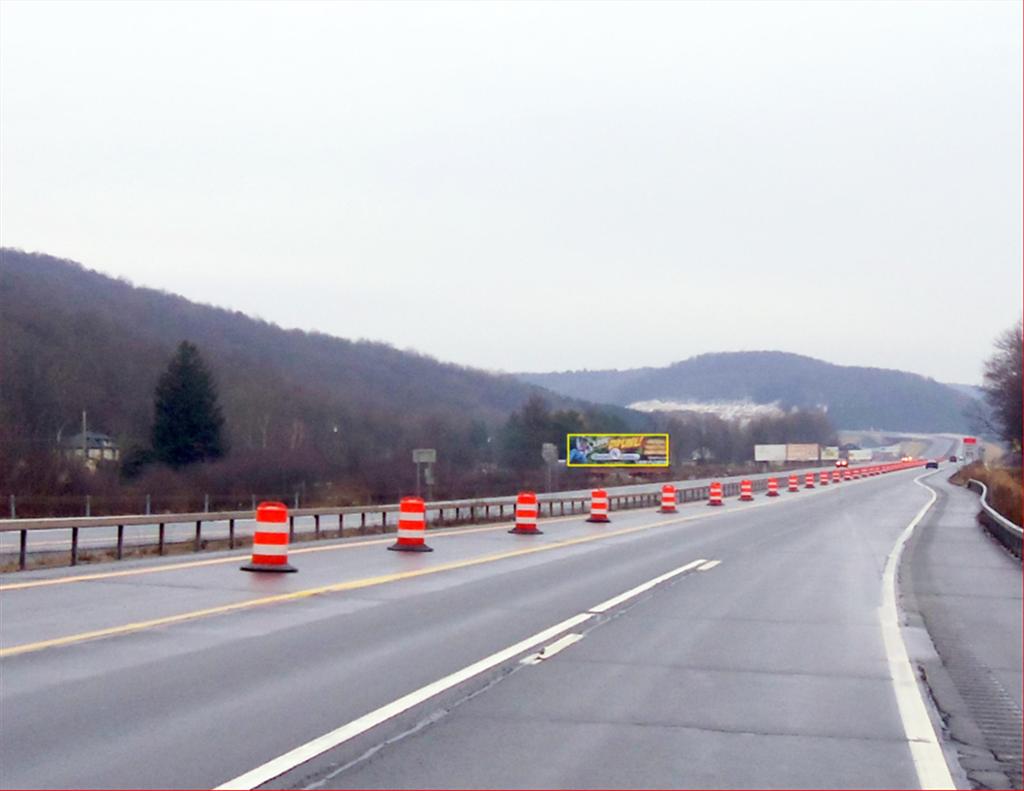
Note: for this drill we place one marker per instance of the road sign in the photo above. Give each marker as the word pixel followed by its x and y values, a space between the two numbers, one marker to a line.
pixel 549 452
pixel 424 455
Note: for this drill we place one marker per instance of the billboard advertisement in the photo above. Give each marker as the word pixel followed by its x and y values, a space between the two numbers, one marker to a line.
pixel 830 453
pixel 616 450
pixel 859 455
pixel 802 452
pixel 769 453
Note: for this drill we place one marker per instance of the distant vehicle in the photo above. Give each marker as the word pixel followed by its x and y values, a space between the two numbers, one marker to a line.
pixel 842 462
pixel 952 458
pixel 931 465
pixel 907 458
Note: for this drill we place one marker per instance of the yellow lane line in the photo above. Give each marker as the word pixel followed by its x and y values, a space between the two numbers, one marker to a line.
pixel 367 582
pixel 191 564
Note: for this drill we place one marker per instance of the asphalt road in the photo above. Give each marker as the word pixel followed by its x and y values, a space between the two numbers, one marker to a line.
pixel 965 589
pixel 767 668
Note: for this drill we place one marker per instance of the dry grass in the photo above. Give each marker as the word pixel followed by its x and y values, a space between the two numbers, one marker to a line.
pixel 1005 492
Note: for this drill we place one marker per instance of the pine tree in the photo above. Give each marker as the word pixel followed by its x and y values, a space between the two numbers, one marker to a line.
pixel 188 420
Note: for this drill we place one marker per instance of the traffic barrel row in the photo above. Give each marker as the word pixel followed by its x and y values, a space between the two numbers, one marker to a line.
pixel 271 538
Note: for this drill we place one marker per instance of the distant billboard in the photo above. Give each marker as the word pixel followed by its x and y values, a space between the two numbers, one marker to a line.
pixel 829 453
pixel 802 452
pixel 769 453
pixel 859 455
pixel 616 450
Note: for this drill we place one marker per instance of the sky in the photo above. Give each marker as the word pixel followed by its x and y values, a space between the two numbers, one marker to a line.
pixel 537 186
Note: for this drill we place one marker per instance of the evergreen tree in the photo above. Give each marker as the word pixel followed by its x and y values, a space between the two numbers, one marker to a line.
pixel 188 420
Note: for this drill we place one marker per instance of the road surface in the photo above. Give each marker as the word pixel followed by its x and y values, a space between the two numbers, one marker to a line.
pixel 759 661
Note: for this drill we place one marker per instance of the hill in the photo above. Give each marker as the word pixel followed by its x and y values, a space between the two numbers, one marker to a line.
pixel 298 405
pixel 855 397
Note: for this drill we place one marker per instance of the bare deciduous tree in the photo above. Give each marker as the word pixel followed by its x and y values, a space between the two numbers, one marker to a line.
pixel 1003 385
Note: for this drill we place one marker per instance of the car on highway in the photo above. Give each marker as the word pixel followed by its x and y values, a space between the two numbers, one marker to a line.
pixel 842 462
pixel 931 464
pixel 952 458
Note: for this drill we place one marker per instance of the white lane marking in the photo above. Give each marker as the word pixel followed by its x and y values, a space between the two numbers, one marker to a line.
pixel 284 763
pixel 549 651
pixel 617 600
pixel 929 762
pixel 709 565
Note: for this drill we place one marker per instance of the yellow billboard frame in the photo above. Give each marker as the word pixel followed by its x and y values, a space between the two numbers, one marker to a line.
pixel 568 449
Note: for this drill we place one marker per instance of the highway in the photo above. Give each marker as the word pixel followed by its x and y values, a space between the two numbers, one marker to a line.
pixel 58 540
pixel 749 645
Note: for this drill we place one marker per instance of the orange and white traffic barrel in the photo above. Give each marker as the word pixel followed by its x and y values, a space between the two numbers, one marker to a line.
pixel 773 487
pixel 270 542
pixel 668 500
pixel 526 515
pixel 809 480
pixel 794 483
pixel 412 526
pixel 598 506
pixel 823 479
pixel 746 490
pixel 836 476
pixel 847 475
pixel 715 493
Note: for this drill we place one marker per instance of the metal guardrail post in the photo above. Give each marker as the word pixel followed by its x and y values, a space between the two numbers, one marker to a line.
pixel 197 544
pixel 231 534
pixel 22 549
pixel 120 542
pixel 160 540
pixel 74 546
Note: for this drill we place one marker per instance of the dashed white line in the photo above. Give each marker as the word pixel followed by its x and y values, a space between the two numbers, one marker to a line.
pixel 550 650
pixel 617 600
pixel 709 565
pixel 284 763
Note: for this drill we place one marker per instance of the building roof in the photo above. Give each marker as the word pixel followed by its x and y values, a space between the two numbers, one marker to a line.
pixel 93 439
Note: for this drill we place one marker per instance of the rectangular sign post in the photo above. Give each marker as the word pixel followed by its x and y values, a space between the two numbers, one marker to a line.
pixel 426 456
pixel 616 450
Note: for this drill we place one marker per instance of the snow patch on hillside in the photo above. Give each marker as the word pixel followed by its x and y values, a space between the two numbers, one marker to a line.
pixel 728 410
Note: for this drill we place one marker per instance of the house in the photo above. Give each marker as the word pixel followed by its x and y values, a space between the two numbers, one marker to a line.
pixel 97 446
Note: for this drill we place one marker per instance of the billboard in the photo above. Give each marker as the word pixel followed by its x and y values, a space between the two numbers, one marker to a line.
pixel 802 452
pixel 769 453
pixel 859 455
pixel 829 453
pixel 616 450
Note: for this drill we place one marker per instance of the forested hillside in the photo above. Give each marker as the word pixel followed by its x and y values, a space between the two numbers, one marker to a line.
pixel 302 412
pixel 299 407
pixel 855 397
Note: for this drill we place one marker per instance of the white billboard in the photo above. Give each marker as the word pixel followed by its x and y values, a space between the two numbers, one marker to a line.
pixel 769 453
pixel 807 451
pixel 859 455
pixel 829 453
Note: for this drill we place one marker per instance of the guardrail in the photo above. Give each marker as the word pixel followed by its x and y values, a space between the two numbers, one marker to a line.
pixel 448 512
pixel 1002 529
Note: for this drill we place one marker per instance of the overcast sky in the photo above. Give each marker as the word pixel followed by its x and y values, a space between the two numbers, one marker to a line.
pixel 535 186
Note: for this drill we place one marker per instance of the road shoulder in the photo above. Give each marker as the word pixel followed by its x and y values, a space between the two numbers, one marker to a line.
pixel 962 587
